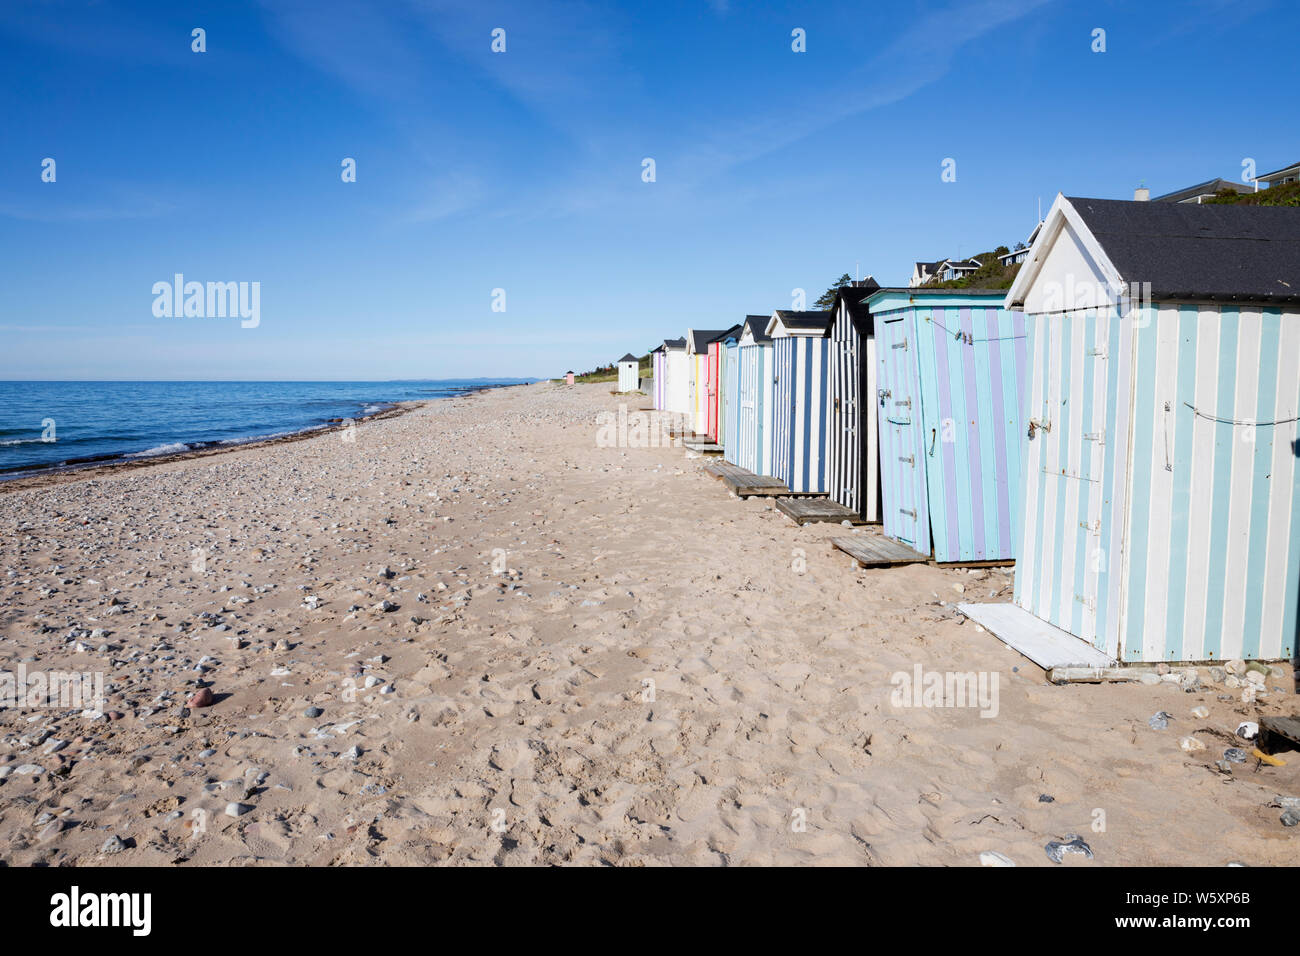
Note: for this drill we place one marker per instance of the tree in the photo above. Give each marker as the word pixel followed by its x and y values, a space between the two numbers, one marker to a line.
pixel 827 298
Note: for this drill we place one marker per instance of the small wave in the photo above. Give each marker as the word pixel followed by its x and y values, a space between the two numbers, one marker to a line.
pixel 172 449
pixel 26 441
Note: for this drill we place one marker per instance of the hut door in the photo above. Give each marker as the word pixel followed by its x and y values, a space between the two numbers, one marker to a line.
pixel 1061 573
pixel 902 456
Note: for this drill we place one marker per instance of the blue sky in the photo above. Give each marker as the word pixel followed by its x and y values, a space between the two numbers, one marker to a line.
pixel 522 170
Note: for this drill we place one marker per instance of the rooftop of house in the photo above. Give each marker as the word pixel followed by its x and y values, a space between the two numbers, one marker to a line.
pixel 1291 170
pixel 1209 187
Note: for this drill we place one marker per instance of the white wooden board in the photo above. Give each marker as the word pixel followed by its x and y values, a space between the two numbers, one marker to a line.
pixel 1045 645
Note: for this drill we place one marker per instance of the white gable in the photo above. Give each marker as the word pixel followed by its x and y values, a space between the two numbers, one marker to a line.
pixel 1066 270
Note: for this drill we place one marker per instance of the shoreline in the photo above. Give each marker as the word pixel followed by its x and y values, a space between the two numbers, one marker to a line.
pixel 46 476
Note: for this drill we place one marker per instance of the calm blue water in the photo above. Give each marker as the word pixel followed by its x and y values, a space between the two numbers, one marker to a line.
pixel 100 421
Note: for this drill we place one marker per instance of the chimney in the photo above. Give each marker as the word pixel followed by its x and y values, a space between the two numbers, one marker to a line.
pixel 1141 194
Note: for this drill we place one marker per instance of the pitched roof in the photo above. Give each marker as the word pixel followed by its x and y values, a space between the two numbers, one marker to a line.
pixel 1201 189
pixel 756 327
pixel 629 357
pixel 816 321
pixel 1291 168
pixel 700 338
pixel 675 343
pixel 1190 251
pixel 852 296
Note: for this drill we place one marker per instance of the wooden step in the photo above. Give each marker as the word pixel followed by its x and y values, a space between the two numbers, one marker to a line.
pixel 745 483
pixel 877 551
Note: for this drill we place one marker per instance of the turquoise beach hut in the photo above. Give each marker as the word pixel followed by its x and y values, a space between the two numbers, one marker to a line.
pixel 1160 519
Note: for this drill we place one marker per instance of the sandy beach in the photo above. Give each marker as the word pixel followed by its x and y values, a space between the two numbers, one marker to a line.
pixel 471 635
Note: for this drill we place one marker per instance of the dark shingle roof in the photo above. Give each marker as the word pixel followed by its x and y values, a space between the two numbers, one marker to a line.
pixel 852 296
pixel 1209 251
pixel 700 338
pixel 815 321
pixel 675 343
pixel 756 326
pixel 629 357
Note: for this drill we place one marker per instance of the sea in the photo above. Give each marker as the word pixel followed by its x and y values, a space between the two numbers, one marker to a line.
pixel 59 425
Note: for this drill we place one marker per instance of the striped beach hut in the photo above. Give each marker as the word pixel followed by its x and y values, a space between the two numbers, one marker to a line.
pixel 697 352
pixel 800 348
pixel 677 384
pixel 852 446
pixel 1160 519
pixel 718 380
pixel 628 379
pixel 755 385
pixel 659 374
pixel 731 396
pixel 949 367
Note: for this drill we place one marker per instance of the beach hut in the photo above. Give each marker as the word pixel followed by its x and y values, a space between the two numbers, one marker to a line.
pixel 1160 519
pixel 949 368
pixel 568 378
pixel 852 448
pixel 669 368
pixel 697 351
pixel 628 379
pixel 718 381
pixel 659 376
pixel 799 347
pixel 731 397
pixel 752 448
pixel 677 391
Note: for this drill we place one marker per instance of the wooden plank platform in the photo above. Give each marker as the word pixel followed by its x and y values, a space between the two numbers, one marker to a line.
pixel 745 483
pixel 1045 645
pixel 810 509
pixel 704 446
pixel 877 551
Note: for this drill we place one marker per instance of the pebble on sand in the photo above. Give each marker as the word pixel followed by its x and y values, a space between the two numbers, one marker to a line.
pixel 202 698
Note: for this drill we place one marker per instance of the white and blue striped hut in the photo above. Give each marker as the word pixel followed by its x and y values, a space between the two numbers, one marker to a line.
pixel 754 389
pixel 1160 514
pixel 800 351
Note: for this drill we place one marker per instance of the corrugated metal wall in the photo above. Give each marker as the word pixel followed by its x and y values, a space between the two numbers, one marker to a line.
pixel 754 416
pixel 852 452
pixel 954 374
pixel 799 412
pixel 1185 544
